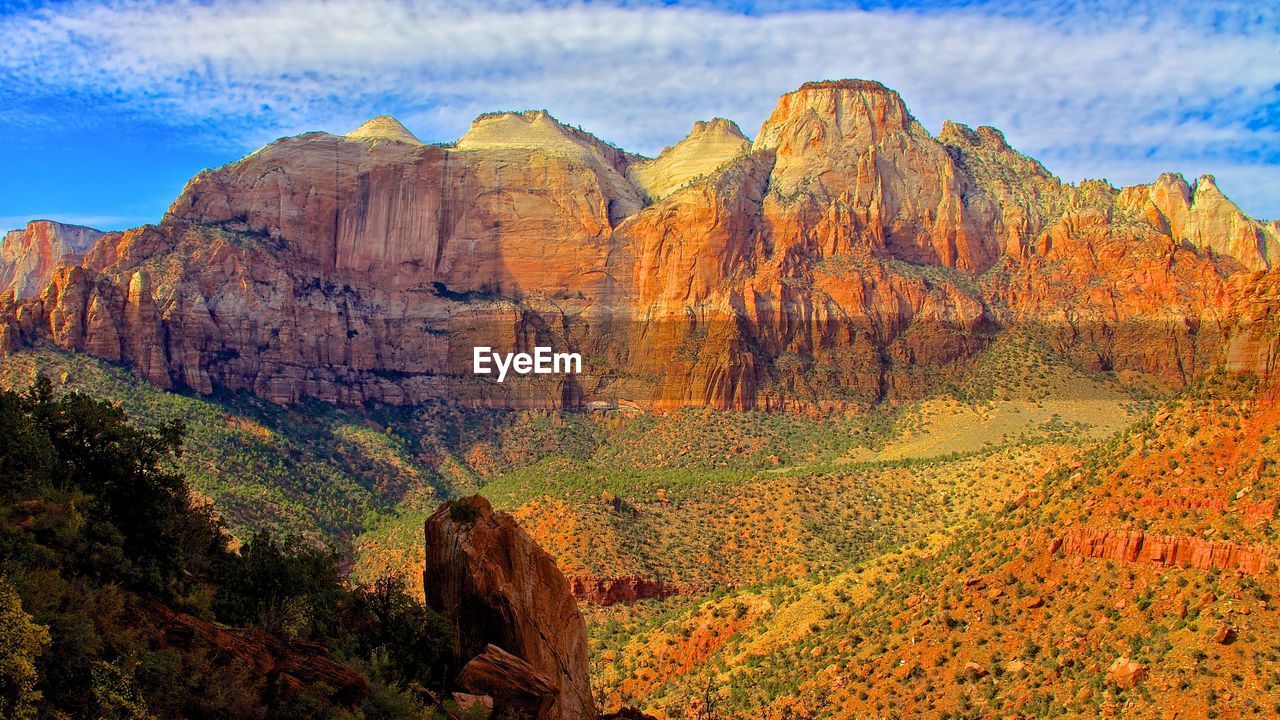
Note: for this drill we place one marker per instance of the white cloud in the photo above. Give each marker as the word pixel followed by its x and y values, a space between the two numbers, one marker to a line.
pixel 1099 89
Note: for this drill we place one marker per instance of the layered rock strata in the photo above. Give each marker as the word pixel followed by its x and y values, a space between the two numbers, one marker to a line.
pixel 843 257
pixel 28 257
pixel 1140 547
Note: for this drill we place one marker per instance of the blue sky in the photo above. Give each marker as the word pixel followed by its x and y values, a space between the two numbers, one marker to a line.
pixel 110 106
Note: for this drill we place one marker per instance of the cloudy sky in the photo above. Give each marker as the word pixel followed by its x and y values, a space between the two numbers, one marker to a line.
pixel 109 106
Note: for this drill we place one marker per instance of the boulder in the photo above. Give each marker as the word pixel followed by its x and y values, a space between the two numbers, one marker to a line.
pixel 517 690
pixel 1126 673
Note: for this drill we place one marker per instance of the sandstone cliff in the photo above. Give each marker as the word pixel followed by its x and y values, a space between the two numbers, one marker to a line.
pixel 1140 547
pixel 520 637
pixel 837 259
pixel 29 256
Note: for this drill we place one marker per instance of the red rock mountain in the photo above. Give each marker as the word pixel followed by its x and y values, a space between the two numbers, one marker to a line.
pixel 837 258
pixel 29 256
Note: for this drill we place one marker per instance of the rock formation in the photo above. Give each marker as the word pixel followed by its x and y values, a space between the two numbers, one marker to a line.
pixel 838 259
pixel 514 686
pixel 29 256
pixel 384 127
pixel 520 637
pixel 1142 547
pixel 610 591
pixel 287 667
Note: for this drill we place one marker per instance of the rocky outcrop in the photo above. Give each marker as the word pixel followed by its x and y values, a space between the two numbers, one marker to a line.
pixel 517 689
pixel 851 148
pixel 28 257
pixel 287 667
pixel 1201 215
pixel 520 637
pixel 611 591
pixel 841 258
pixel 1137 546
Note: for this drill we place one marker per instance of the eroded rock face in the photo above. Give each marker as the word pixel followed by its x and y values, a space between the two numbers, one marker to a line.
pixel 840 258
pixel 1255 337
pixel 1141 547
pixel 611 591
pixel 28 257
pixel 519 633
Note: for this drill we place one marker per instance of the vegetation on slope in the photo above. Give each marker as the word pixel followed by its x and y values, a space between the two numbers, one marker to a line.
pixel 773 521
pixel 993 616
pixel 98 530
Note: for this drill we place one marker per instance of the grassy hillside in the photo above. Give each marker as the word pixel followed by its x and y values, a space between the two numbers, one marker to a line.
pixel 311 470
pixel 993 616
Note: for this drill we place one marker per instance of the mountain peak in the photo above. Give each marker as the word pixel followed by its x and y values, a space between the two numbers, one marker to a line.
pixel 954 133
pixel 29 256
pixel 854 84
pixel 709 145
pixel 1207 183
pixel 822 115
pixel 718 126
pixel 384 127
pixel 1202 215
pixel 536 129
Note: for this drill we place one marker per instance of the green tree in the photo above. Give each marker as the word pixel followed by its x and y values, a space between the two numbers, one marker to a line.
pixel 287 587
pixel 21 642
pixel 116 695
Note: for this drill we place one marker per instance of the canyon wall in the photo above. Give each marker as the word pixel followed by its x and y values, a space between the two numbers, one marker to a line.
pixel 836 259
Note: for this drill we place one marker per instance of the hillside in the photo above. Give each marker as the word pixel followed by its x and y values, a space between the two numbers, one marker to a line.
pixel 1119 579
pixel 315 471
pixel 121 597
